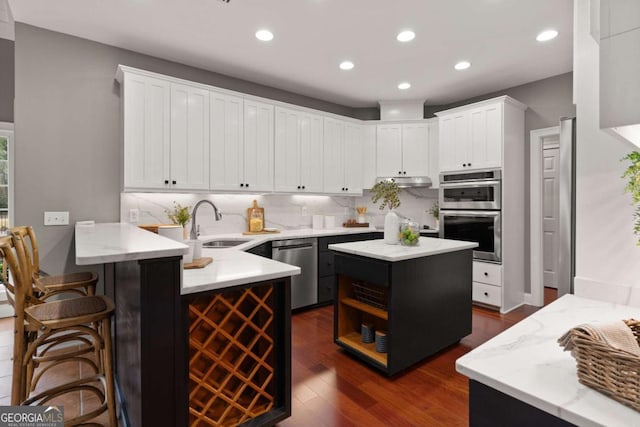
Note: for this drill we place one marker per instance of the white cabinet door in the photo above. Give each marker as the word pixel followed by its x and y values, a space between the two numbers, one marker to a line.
pixel 226 138
pixel 434 158
pixel 189 138
pixel 353 155
pixel 485 137
pixel 311 152
pixel 369 156
pixel 454 142
pixel 146 114
pixel 334 156
pixel 287 149
pixel 258 146
pixel 389 150
pixel 415 149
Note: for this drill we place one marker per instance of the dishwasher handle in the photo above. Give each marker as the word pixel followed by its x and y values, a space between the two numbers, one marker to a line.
pixel 300 246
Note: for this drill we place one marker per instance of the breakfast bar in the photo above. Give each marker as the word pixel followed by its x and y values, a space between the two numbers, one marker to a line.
pixel 419 297
pixel 210 346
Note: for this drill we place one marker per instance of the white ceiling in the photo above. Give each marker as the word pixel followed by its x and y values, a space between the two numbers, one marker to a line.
pixel 313 36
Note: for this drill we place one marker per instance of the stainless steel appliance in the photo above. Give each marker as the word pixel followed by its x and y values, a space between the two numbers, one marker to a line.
pixel 302 253
pixel 471 190
pixel 482 227
pixel 470 205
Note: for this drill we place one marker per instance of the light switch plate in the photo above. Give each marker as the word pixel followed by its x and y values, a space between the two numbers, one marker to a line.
pixel 134 215
pixel 56 218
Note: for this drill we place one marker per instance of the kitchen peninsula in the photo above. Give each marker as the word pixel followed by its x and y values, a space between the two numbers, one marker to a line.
pixel 212 346
pixel 420 296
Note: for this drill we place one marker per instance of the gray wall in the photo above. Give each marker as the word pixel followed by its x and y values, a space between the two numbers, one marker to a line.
pixel 6 80
pixel 548 100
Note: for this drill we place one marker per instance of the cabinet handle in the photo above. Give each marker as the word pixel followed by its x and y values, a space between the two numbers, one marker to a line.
pixel 464 165
pixel 486 294
pixel 404 173
pixel 241 185
pixel 166 181
pixel 399 172
pixel 298 187
pixel 303 187
pixel 346 189
pixel 173 182
pixel 246 185
pixel 486 274
pixel 469 164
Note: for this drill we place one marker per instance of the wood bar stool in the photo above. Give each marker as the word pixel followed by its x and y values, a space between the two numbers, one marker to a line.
pixel 82 283
pixel 39 324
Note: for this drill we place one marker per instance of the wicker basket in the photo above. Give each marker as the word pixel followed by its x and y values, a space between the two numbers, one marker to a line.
pixel 610 371
pixel 372 295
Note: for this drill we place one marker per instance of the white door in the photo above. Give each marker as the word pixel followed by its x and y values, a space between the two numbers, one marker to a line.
pixel 258 146
pixel 389 150
pixel 551 211
pixel 227 142
pixel 333 157
pixel 189 138
pixel 415 149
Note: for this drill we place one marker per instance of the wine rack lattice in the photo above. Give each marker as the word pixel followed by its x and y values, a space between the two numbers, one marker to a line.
pixel 231 356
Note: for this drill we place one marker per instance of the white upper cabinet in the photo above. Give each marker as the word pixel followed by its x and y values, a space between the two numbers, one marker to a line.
pixel 147 139
pixel 342 157
pixel 298 151
pixel 403 150
pixel 472 138
pixel 258 146
pixel 189 138
pixel 369 156
pixel 227 142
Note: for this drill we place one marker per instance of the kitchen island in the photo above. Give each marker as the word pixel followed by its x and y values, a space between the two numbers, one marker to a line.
pixel 419 296
pixel 523 377
pixel 209 347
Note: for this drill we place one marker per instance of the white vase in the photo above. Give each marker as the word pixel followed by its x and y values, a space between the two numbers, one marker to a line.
pixel 391 228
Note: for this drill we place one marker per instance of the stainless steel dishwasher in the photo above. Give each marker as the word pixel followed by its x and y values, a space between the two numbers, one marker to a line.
pixel 302 253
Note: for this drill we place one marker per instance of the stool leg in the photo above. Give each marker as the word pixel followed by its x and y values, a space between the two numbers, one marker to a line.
pixel 108 372
pixel 18 379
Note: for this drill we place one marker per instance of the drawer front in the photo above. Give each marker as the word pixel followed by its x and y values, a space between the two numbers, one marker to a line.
pixel 488 273
pixel 487 294
pixel 326 266
pixel 324 242
pixel 325 289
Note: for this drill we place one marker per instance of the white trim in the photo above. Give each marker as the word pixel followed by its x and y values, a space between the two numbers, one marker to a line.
pixel 504 98
pixel 536 142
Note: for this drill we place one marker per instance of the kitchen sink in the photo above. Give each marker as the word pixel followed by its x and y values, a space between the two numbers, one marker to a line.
pixel 224 243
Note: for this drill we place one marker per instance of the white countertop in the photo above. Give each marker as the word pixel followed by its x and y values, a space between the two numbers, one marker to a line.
pixel 379 250
pixel 115 242
pixel 526 362
pixel 231 267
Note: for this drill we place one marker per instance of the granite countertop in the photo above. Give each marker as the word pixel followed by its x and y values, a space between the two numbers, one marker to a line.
pixel 116 242
pixel 526 362
pixel 377 249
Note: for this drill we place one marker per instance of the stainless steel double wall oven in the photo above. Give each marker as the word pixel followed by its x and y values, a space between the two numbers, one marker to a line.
pixel 470 209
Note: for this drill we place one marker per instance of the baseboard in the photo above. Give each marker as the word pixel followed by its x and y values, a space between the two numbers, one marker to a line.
pixel 528 299
pixel 512 308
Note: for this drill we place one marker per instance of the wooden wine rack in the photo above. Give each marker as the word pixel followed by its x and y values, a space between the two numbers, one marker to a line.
pixel 231 356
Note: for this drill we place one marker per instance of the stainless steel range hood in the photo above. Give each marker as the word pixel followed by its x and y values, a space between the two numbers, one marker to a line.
pixel 409 181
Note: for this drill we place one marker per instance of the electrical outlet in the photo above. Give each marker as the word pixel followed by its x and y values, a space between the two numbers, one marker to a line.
pixel 56 218
pixel 304 211
pixel 134 215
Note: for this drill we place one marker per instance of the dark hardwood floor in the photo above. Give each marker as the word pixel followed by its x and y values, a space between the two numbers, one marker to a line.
pixel 331 388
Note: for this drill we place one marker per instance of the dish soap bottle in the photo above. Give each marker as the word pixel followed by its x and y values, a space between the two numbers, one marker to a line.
pixel 256 218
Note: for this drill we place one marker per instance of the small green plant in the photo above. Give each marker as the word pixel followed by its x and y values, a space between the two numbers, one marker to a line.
pixel 435 210
pixel 632 174
pixel 179 215
pixel 388 191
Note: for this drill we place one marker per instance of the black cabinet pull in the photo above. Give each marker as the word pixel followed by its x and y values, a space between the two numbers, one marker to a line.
pixel 241 185
pixel 303 187
pixel 346 189
pixel 486 274
pixel 399 172
pixel 247 185
pixel 166 181
pixel 173 182
pixel 404 173
pixel 298 187
pixel 486 294
pixel 469 164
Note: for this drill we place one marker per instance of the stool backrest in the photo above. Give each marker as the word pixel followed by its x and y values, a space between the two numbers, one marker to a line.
pixel 30 249
pixel 14 276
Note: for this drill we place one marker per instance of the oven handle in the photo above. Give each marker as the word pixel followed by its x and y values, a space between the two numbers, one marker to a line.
pixel 488 214
pixel 469 184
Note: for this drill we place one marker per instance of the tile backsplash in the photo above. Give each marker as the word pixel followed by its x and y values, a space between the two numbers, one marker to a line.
pixel 281 211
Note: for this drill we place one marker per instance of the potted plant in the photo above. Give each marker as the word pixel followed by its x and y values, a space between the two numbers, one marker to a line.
pixel 180 215
pixel 632 174
pixel 435 211
pixel 389 192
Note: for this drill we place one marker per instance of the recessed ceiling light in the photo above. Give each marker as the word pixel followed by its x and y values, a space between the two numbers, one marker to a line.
pixel 462 65
pixel 346 65
pixel 264 35
pixel 406 36
pixel 547 35
pixel 404 86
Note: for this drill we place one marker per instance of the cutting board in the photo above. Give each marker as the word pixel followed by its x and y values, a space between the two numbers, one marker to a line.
pixel 152 227
pixel 198 263
pixel 250 210
pixel 249 233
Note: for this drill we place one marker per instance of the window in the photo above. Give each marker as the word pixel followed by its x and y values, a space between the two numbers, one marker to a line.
pixel 6 178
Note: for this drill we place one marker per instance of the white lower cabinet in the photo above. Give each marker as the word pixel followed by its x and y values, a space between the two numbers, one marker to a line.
pixel 487 283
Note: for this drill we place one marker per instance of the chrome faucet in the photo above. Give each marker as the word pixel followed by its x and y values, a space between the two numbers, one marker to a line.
pixel 217 214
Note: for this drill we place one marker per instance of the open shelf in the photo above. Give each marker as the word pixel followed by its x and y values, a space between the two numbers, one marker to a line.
pixel 381 314
pixel 354 341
